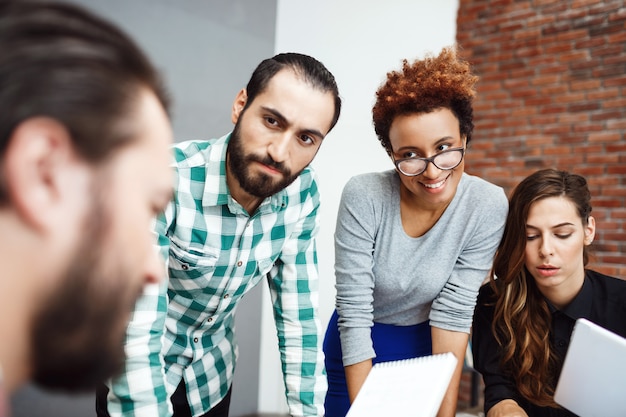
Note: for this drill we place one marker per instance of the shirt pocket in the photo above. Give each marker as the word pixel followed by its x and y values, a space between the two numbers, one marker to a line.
pixel 191 263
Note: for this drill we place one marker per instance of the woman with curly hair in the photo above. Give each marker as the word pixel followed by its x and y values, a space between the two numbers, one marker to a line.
pixel 413 244
pixel 524 317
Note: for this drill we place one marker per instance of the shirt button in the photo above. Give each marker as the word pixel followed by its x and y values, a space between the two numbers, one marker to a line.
pixel 226 296
pixel 195 339
pixel 239 263
pixel 185 267
pixel 561 343
pixel 210 319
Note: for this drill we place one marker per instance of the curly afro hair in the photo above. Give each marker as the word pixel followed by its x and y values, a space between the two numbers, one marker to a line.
pixel 432 83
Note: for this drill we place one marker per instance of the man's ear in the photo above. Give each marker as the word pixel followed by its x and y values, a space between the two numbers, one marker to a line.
pixel 39 149
pixel 238 105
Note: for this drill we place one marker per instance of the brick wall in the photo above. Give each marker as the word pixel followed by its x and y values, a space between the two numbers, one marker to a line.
pixel 551 94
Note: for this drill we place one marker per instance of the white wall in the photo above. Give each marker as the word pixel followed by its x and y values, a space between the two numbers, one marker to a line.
pixel 359 41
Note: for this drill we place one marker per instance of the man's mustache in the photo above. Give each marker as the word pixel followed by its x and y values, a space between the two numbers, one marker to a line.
pixel 267 160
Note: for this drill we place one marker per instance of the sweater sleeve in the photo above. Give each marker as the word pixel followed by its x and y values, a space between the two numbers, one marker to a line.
pixel 484 219
pixel 354 246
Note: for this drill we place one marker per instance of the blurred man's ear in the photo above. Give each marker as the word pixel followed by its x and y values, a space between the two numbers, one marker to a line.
pixel 36 161
pixel 238 105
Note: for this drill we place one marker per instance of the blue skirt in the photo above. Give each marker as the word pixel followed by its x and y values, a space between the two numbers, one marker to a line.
pixel 390 343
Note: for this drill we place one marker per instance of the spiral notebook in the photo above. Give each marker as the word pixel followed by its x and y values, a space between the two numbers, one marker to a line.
pixel 410 387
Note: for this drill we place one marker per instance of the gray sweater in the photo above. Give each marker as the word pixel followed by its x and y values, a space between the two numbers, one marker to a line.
pixel 386 276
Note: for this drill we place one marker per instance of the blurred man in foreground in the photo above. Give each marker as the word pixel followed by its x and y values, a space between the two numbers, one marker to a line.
pixel 84 168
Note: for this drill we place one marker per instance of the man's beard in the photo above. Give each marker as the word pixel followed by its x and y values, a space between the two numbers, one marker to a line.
pixel 262 185
pixel 78 335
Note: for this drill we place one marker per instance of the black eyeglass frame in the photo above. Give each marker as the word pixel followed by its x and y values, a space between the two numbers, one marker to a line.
pixel 397 162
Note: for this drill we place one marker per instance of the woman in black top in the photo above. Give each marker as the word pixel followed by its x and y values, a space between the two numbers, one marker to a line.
pixel 524 317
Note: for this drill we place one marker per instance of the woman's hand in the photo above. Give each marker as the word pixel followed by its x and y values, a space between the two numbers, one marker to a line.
pixel 506 408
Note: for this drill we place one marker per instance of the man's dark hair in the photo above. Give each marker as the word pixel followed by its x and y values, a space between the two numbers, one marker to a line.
pixel 63 62
pixel 310 69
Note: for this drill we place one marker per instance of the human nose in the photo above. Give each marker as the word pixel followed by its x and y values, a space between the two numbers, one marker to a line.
pixel 546 248
pixel 155 268
pixel 431 170
pixel 278 148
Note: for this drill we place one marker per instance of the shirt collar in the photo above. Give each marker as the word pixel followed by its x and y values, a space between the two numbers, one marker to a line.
pixel 580 307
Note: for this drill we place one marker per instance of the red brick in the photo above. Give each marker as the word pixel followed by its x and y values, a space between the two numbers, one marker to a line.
pixel 583 3
pixel 619 103
pixel 554 108
pixel 602 159
pixel 545 79
pixel 607 115
pixel 615 59
pixel 606 50
pixel 617 81
pixel 585 43
pixel 608 29
pixel 590 148
pixel 604 137
pixel 538 100
pixel 617 169
pixel 574 56
pixel 585 85
pixel 587 127
pixel 609 71
pixel 583 106
pixel 617 37
pixel 568 161
pixel 616 147
pixel 539 3
pixel 602 94
pixel 620 14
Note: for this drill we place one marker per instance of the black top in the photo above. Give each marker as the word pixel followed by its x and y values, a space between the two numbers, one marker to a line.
pixel 601 300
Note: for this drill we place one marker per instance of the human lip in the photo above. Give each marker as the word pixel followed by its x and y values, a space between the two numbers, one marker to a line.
pixel 434 185
pixel 270 169
pixel 547 270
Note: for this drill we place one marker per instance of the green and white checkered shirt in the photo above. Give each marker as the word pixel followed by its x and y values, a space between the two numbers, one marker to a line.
pixel 216 253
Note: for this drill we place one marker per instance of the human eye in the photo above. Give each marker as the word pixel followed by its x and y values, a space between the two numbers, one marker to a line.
pixel 307 139
pixel 270 121
pixel 443 147
pixel 532 234
pixel 409 154
pixel 563 234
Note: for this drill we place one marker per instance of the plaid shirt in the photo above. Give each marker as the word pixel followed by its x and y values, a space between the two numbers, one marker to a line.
pixel 216 252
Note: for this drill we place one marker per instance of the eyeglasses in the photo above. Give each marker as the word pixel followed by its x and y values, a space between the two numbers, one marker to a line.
pixel 445 160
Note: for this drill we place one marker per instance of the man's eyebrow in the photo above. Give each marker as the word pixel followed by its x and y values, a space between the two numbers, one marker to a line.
pixel 281 118
pixel 277 115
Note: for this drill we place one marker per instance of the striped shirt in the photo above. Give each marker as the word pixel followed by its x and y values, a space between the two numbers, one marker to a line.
pixel 215 253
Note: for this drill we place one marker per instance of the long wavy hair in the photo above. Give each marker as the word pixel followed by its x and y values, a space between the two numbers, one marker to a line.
pixel 522 319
